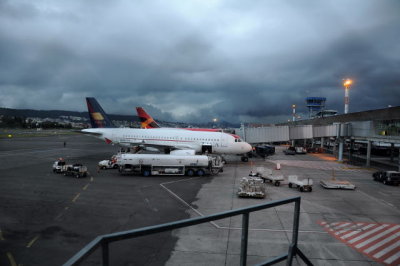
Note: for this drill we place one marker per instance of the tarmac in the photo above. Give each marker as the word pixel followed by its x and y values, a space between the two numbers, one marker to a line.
pixel 45 218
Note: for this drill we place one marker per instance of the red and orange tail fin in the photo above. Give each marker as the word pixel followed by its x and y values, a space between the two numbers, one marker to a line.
pixel 146 121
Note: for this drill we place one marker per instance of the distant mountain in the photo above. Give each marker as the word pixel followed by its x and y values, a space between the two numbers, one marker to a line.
pixel 57 113
pixel 130 118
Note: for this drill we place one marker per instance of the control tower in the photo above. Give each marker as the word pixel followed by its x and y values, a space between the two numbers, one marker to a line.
pixel 315 105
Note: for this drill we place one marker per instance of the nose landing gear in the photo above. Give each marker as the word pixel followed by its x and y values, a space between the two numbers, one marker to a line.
pixel 244 159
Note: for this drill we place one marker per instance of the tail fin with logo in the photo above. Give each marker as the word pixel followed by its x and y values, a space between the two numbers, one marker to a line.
pixel 146 121
pixel 98 118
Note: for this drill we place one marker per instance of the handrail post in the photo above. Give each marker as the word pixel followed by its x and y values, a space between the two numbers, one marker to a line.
pixel 295 233
pixel 245 236
pixel 105 253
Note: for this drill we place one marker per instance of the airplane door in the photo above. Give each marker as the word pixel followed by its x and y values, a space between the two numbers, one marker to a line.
pixel 224 140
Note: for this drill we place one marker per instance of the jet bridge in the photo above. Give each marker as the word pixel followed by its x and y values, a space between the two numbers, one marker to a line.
pixel 370 126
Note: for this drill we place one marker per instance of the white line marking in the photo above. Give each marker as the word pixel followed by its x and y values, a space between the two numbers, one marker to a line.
pixel 381 243
pixel 392 258
pixel 356 232
pixel 369 240
pixel 350 229
pixel 367 233
pixel 340 226
pixel 386 250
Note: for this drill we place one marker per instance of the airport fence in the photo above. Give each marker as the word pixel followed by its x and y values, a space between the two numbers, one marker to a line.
pixel 103 241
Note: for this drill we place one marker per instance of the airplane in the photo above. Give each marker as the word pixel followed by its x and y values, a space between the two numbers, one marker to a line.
pixel 166 139
pixel 146 121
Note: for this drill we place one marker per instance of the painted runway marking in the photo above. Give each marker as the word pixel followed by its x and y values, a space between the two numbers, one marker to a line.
pixel 91 179
pixel 1 236
pixel 85 187
pixel 76 197
pixel 380 242
pixel 30 244
pixel 58 216
pixel 11 259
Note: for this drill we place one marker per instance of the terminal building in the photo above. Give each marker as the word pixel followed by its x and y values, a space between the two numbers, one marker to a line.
pixel 337 132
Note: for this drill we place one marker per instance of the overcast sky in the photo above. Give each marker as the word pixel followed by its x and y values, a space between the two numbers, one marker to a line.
pixel 191 61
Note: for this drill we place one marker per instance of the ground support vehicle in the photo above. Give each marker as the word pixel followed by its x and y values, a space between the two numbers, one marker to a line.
pixel 290 151
pixel 300 150
pixel 303 185
pixel 77 170
pixel 337 184
pixel 108 164
pixel 266 175
pixel 251 187
pixel 58 166
pixel 166 164
pixel 387 177
pixel 264 150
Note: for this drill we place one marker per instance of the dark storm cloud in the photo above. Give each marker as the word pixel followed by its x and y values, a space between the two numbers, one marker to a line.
pixel 194 61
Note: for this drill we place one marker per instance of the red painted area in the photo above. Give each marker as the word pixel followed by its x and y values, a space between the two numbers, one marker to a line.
pixel 378 241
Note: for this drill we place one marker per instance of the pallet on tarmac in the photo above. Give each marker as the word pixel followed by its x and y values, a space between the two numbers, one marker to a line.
pixel 337 184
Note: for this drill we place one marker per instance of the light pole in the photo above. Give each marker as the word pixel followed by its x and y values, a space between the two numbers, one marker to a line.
pixel 346 83
pixel 294 112
pixel 214 122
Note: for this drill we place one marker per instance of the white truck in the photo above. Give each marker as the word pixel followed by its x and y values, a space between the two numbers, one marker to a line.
pixel 167 164
pixel 58 166
pixel 108 164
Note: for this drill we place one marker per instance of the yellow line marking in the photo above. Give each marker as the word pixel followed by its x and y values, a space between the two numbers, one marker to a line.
pixel 76 197
pixel 85 187
pixel 32 242
pixel 11 259
pixel 1 236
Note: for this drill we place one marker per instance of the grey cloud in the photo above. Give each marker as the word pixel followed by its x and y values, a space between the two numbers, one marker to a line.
pixel 192 61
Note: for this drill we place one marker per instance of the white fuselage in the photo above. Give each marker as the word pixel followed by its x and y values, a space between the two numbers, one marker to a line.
pixel 220 142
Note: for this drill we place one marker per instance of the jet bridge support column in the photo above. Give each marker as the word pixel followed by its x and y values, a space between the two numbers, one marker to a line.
pixel 351 149
pixel 391 152
pixel 340 156
pixel 399 160
pixel 369 153
pixel 334 148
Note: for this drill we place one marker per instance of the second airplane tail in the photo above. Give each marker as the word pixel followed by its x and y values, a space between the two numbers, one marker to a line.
pixel 98 118
pixel 146 121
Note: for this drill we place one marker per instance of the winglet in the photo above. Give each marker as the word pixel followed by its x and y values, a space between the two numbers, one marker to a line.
pixel 146 121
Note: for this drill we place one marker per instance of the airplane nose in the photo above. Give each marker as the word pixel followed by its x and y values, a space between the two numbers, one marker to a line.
pixel 248 147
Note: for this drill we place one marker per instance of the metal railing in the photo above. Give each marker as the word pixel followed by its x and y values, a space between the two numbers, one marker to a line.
pixel 103 241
